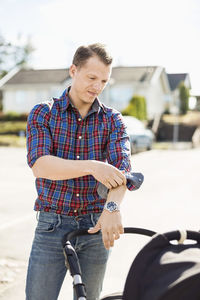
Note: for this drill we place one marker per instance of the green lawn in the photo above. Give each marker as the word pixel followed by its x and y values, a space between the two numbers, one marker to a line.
pixel 12 141
pixel 12 127
pixel 10 132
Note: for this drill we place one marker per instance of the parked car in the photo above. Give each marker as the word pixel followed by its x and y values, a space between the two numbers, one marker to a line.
pixel 141 138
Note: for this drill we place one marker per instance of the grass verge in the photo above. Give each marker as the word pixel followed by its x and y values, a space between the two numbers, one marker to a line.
pixel 12 141
pixel 12 127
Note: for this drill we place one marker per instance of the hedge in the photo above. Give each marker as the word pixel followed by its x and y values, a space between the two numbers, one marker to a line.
pixel 13 116
pixel 136 108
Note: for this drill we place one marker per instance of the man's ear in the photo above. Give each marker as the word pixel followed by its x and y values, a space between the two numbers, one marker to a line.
pixel 72 70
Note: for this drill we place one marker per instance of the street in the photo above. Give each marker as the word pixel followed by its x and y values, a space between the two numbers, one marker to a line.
pixel 168 200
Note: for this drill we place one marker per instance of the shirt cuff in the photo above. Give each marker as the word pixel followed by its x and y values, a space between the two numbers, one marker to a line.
pixel 134 180
pixel 130 186
pixel 34 154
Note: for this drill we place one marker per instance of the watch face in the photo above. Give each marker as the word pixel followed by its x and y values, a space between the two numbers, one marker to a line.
pixel 112 206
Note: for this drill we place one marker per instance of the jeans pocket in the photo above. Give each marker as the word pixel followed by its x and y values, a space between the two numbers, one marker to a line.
pixel 45 226
pixel 95 218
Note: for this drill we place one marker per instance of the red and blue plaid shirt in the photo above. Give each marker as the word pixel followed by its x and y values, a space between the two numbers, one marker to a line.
pixel 57 128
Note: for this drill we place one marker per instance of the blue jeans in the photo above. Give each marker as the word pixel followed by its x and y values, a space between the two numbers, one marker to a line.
pixel 46 270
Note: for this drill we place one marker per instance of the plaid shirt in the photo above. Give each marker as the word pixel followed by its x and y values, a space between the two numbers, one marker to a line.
pixel 57 128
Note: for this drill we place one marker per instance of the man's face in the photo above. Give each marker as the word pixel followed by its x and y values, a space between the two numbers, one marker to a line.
pixel 89 80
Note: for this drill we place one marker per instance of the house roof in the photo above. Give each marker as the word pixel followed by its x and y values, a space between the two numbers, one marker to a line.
pixel 53 76
pixel 175 79
pixel 133 73
pixel 30 76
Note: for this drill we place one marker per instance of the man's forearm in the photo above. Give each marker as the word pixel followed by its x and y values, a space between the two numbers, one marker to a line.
pixel 110 222
pixel 56 168
pixel 117 194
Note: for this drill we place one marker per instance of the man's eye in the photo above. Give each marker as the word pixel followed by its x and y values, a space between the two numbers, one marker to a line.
pixel 92 78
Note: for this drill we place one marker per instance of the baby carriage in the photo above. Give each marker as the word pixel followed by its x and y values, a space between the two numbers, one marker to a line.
pixel 162 270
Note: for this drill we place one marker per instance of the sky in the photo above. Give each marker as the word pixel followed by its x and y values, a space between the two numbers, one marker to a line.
pixel 137 32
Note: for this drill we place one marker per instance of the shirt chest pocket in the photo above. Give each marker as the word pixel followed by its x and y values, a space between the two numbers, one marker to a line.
pixel 64 142
pixel 96 141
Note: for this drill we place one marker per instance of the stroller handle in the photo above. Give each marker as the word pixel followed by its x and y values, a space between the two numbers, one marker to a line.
pixel 188 234
pixel 133 230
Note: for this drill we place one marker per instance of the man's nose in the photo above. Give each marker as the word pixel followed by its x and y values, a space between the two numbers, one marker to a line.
pixel 97 86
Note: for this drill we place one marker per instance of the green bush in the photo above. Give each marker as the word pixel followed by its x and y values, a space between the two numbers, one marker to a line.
pixel 136 108
pixel 13 116
pixel 12 127
pixel 184 98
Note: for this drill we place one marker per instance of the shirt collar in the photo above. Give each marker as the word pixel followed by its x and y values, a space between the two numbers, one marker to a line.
pixel 65 102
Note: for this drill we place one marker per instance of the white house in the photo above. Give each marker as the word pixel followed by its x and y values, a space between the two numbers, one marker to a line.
pixel 22 89
pixel 174 81
pixel 150 82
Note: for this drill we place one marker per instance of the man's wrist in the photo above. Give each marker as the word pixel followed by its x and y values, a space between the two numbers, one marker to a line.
pixel 111 206
pixel 89 166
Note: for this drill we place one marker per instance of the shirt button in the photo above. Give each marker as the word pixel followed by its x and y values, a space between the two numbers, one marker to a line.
pixel 77 195
pixel 79 119
pixel 75 210
pixel 78 156
pixel 80 137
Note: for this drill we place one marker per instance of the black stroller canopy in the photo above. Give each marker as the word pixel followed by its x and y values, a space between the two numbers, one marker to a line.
pixel 161 271
pixel 165 271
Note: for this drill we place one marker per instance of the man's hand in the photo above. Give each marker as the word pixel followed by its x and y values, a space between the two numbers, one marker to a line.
pixel 107 174
pixel 111 227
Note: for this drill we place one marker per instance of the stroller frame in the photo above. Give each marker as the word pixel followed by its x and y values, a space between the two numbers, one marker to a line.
pixel 72 262
pixel 159 253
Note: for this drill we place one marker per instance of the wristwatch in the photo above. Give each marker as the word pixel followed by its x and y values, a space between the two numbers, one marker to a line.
pixel 111 206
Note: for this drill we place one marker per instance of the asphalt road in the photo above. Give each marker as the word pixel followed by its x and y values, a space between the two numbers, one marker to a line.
pixel 168 200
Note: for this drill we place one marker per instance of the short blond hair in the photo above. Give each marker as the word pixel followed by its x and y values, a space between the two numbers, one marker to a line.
pixel 83 53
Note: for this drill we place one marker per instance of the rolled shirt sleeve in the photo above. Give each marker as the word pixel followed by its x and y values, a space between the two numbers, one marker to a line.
pixel 39 140
pixel 118 147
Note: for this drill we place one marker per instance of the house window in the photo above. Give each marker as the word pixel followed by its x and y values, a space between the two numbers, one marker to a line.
pixel 42 95
pixel 120 96
pixel 20 98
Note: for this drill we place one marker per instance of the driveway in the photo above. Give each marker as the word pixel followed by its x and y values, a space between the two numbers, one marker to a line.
pixel 168 200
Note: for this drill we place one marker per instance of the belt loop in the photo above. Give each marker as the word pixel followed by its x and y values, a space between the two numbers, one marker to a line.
pixel 37 215
pixel 59 220
pixel 92 219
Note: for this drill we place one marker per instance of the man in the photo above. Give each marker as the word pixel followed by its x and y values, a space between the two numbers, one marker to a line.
pixel 75 145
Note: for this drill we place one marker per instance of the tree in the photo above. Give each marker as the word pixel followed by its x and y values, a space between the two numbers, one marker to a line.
pixel 4 48
pixel 136 108
pixel 13 55
pixel 184 98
